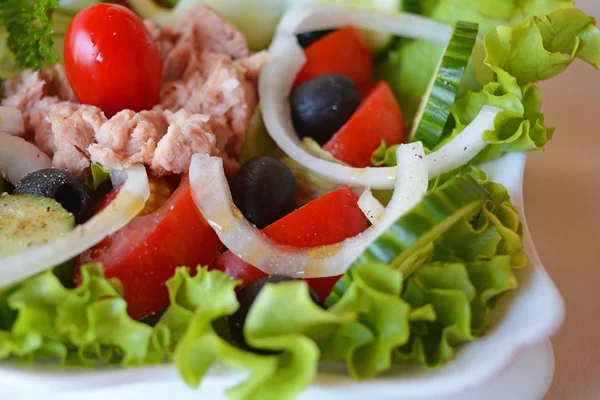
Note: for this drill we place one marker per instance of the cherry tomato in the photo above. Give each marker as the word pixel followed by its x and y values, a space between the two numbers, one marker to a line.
pixel 111 59
pixel 378 119
pixel 326 220
pixel 145 253
pixel 343 52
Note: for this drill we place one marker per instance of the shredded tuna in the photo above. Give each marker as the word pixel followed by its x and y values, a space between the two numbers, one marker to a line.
pixel 128 138
pixel 212 32
pixel 38 121
pixel 73 135
pixel 57 83
pixel 188 134
pixel 24 90
pixel 208 96
pixel 220 87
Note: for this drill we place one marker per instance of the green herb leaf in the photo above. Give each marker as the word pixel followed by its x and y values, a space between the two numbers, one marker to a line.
pixel 30 28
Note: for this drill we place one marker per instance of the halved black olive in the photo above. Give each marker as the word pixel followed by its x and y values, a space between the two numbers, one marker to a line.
pixel 61 186
pixel 321 106
pixel 264 191
pixel 307 38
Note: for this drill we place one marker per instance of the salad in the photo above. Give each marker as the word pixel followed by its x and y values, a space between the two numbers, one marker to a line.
pixel 266 186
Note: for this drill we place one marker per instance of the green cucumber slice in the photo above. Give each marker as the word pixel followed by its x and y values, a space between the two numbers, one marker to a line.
pixel 437 102
pixel 27 221
pixel 411 235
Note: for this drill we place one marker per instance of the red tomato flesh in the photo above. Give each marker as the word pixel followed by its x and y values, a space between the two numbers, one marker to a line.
pixel 344 52
pixel 111 59
pixel 145 253
pixel 326 220
pixel 378 119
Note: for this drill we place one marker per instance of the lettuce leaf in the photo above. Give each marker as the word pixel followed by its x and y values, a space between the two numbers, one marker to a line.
pixel 364 328
pixel 75 325
pixel 461 295
pixel 258 141
pixel 495 230
pixel 519 55
pixel 97 176
pixel 409 68
pixel 540 48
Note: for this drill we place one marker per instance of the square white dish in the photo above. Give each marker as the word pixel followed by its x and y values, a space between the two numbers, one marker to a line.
pixel 524 318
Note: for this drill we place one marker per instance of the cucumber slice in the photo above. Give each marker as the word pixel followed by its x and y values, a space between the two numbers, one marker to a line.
pixel 27 221
pixel 412 233
pixel 439 97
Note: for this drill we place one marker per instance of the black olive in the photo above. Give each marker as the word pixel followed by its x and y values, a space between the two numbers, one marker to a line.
pixel 321 106
pixel 307 38
pixel 246 296
pixel 264 191
pixel 61 186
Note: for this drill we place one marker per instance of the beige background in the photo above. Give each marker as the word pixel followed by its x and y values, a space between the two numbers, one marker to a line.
pixel 562 199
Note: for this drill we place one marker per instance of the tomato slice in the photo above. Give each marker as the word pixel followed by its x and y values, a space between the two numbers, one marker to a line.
pixel 326 220
pixel 344 52
pixel 378 119
pixel 145 253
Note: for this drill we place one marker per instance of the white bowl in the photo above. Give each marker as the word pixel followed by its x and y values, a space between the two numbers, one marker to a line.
pixel 523 318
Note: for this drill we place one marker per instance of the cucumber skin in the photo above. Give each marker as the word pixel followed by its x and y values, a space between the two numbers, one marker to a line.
pixel 427 221
pixel 438 101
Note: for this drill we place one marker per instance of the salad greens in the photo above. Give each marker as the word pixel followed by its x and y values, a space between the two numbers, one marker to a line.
pixel 535 49
pixel 416 310
pixel 31 27
pixel 383 316
pixel 97 176
pixel 409 80
pixel 78 325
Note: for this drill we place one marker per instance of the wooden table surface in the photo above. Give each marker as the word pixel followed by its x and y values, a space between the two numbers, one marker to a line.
pixel 562 200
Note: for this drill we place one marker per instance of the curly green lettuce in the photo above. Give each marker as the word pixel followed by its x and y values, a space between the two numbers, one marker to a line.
pixel 409 68
pixel 42 318
pixel 535 49
pixel 364 328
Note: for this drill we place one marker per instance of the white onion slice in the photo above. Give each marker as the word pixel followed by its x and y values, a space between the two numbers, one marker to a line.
pixel 330 16
pixel 19 158
pixel 130 200
pixel 370 206
pixel 464 147
pixel 213 198
pixel 11 121
pixel 287 58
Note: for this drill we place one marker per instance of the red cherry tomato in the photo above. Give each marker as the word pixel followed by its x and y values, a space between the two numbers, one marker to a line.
pixel 111 60
pixel 378 119
pixel 145 253
pixel 326 220
pixel 344 52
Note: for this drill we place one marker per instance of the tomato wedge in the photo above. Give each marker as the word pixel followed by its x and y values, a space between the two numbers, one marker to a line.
pixel 145 253
pixel 378 119
pixel 344 52
pixel 326 220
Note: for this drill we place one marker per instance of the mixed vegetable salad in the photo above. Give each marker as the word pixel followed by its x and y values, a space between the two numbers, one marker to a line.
pixel 266 184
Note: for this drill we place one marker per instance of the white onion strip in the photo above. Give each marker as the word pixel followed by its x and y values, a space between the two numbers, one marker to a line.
pixel 19 158
pixel 287 58
pixel 370 206
pixel 129 202
pixel 213 199
pixel 318 17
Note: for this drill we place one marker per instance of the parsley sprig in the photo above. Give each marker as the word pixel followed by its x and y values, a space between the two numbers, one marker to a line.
pixel 31 32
